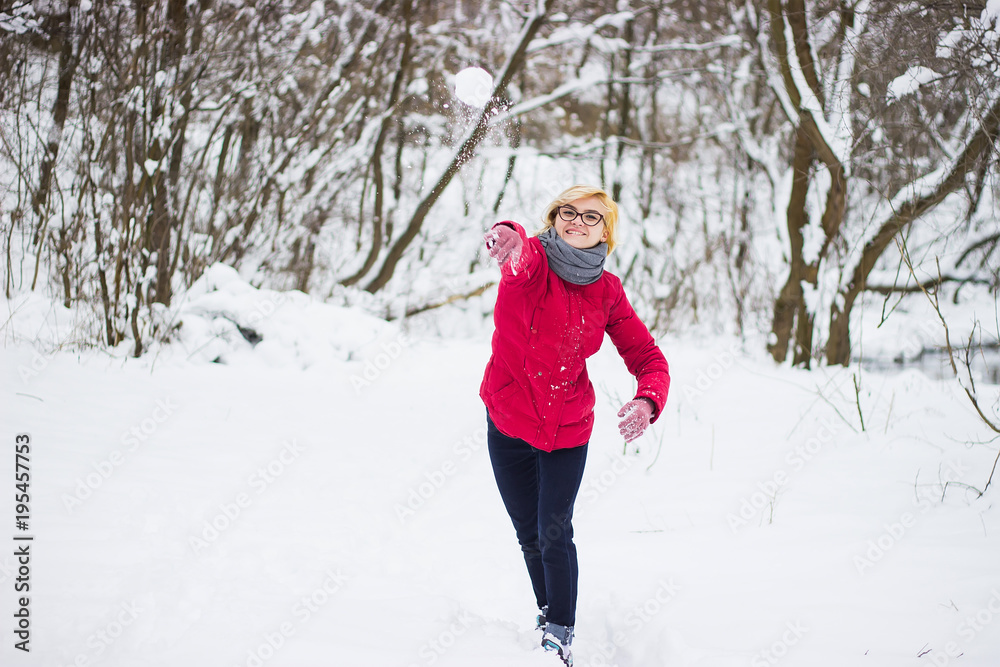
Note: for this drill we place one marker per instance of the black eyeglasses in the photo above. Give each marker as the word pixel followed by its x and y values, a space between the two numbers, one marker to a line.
pixel 590 218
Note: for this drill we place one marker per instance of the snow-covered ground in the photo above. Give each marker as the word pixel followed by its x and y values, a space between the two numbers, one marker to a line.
pixel 325 498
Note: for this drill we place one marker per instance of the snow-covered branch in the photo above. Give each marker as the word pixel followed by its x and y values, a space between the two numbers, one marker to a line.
pixel 692 47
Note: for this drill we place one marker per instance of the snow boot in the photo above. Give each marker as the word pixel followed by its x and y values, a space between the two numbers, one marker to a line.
pixel 540 619
pixel 559 638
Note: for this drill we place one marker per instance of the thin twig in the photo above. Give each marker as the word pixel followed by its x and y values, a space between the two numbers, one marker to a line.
pixel 888 415
pixel 992 472
pixel 416 310
pixel 659 448
pixel 944 490
pixel 970 388
pixel 857 401
pixel 835 409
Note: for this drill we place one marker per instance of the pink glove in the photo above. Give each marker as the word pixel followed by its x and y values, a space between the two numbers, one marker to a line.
pixel 637 414
pixel 503 244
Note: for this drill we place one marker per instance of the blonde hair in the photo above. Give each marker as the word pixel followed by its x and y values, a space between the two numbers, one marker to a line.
pixel 582 192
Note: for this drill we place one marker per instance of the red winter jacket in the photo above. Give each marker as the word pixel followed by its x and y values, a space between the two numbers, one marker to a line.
pixel 536 386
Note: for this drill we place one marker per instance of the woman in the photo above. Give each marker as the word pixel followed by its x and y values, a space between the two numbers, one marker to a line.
pixel 554 305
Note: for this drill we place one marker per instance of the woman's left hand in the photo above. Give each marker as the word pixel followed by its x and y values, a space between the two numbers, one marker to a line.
pixel 637 414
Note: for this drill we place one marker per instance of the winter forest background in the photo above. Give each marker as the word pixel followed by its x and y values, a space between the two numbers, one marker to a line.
pixel 775 161
pixel 294 191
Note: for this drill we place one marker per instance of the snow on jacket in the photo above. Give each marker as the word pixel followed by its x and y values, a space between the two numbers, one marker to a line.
pixel 536 386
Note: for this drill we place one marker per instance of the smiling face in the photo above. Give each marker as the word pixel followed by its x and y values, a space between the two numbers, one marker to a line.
pixel 575 232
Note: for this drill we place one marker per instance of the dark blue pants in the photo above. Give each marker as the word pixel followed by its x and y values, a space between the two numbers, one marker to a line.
pixel 539 489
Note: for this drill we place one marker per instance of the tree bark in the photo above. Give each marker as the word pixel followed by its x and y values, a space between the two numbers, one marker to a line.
pixel 69 60
pixel 624 110
pixel 789 301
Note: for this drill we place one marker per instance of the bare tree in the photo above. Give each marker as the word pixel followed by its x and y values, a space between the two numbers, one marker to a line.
pixel 831 67
pixel 532 23
pixel 322 150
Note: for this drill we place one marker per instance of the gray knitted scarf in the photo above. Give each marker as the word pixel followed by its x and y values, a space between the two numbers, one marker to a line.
pixel 580 267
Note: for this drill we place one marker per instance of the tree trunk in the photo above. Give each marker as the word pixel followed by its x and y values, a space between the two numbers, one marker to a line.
pixel 624 110
pixel 980 147
pixel 164 221
pixel 810 144
pixel 789 301
pixel 69 59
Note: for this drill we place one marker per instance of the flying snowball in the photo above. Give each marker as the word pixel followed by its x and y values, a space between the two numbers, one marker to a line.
pixel 474 86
